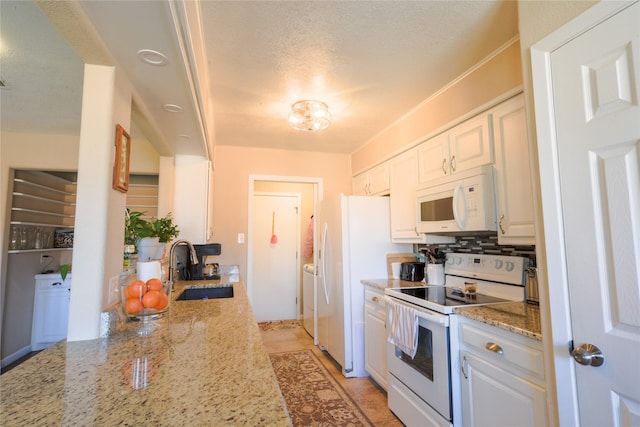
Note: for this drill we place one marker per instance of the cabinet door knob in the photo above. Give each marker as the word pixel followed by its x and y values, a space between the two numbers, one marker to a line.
pixel 453 163
pixel 500 224
pixel 56 284
pixel 375 299
pixel 491 346
pixel 444 166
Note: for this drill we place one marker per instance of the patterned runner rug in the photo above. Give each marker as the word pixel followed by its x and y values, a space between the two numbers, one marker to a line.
pixel 312 395
pixel 279 324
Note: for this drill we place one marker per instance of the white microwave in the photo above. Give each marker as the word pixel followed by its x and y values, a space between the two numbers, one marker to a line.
pixel 461 203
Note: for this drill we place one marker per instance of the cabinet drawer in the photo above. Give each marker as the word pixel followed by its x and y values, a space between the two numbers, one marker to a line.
pixel 520 352
pixel 375 298
pixel 53 283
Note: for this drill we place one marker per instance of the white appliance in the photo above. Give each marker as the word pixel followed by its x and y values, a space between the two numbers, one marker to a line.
pixel 425 389
pixel 309 299
pixel 355 236
pixel 460 203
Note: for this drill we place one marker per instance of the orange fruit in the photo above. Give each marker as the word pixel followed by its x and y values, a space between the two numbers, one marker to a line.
pixel 136 289
pixel 151 299
pixel 154 285
pixel 133 306
pixel 164 301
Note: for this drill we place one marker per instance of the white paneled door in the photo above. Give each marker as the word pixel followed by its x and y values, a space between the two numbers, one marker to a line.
pixel 275 242
pixel 596 83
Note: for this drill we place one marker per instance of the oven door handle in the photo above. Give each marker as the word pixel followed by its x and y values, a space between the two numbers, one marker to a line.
pixel 433 318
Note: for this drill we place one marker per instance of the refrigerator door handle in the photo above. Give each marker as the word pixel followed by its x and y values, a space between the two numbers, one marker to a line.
pixel 323 264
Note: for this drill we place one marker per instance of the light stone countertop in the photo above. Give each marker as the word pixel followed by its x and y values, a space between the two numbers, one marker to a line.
pixel 382 284
pixel 202 363
pixel 517 317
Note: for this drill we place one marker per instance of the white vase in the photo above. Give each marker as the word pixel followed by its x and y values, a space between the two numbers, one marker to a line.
pixel 147 248
pixel 160 250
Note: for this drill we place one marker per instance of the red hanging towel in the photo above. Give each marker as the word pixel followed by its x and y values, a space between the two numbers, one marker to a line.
pixel 307 252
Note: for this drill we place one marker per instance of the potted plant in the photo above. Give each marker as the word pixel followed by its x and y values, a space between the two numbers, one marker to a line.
pixel 149 237
pixel 166 231
pixel 140 232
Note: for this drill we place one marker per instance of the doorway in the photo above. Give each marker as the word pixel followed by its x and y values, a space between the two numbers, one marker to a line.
pixel 310 189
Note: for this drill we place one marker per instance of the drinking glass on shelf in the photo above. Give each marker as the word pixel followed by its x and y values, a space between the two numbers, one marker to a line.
pixel 47 239
pixel 24 238
pixel 37 238
pixel 14 242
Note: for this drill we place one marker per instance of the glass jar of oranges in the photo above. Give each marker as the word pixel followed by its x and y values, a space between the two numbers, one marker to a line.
pixel 148 298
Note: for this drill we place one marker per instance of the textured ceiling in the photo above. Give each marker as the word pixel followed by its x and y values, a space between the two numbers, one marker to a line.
pixel 370 61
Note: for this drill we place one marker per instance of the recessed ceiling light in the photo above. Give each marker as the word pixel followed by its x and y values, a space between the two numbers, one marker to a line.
pixel 152 57
pixel 172 108
pixel 184 136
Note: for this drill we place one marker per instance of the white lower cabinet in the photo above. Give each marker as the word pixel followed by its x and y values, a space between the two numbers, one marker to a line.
pixel 50 310
pixel 375 339
pixel 502 377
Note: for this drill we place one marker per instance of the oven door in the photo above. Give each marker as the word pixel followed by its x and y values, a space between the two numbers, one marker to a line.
pixel 428 373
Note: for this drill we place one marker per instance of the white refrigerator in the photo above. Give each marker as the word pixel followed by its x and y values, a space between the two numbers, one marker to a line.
pixel 355 236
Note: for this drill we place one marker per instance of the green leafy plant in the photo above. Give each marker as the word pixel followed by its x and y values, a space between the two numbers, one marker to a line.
pixel 165 229
pixel 64 270
pixel 136 227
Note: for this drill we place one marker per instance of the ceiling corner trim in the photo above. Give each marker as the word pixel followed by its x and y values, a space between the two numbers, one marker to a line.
pixel 188 32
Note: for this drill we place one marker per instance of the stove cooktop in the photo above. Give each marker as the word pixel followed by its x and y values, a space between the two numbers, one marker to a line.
pixel 442 299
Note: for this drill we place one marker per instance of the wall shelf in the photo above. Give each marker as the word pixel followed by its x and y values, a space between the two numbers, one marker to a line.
pixel 143 195
pixel 42 200
pixel 23 251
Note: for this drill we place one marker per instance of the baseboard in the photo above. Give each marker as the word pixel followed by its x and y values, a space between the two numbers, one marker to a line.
pixel 15 356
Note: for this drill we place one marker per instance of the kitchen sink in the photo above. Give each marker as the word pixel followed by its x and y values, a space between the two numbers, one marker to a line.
pixel 213 292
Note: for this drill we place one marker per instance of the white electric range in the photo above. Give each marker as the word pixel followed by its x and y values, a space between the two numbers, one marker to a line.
pixel 421 388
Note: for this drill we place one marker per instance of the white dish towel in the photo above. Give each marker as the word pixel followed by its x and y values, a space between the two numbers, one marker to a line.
pixel 402 326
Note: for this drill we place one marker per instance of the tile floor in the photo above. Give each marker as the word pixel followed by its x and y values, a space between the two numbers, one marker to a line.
pixel 370 397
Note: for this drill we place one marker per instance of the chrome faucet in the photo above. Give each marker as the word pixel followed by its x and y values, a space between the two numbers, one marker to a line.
pixel 192 255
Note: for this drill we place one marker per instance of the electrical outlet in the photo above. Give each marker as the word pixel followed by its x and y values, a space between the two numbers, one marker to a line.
pixel 114 290
pixel 44 258
pixel 241 238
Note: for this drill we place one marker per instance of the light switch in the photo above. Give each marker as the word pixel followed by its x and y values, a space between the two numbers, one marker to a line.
pixel 241 238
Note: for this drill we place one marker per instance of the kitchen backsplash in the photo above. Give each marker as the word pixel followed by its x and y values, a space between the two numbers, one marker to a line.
pixel 481 245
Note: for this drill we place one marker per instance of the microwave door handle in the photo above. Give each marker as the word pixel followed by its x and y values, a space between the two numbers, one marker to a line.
pixel 460 217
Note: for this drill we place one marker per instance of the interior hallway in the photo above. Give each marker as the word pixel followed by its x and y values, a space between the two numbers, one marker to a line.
pixel 370 398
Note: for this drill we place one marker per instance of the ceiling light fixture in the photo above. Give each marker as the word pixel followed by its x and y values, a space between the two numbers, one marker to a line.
pixel 152 57
pixel 309 115
pixel 172 108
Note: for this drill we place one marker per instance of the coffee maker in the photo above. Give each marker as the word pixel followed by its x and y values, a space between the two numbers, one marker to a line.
pixel 192 270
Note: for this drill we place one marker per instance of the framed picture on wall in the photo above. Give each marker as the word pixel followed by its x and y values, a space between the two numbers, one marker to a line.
pixel 121 162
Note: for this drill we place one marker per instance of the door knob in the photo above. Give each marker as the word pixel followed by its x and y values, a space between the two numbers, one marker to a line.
pixel 588 355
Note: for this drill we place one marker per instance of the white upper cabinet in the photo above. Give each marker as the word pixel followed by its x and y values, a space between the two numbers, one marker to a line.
pixel 403 177
pixel 461 148
pixel 514 194
pixel 433 158
pixel 374 182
